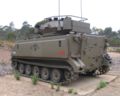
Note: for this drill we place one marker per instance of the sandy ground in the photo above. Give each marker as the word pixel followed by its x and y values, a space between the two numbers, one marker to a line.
pixel 115 68
pixel 113 89
pixel 5 56
pixel 10 87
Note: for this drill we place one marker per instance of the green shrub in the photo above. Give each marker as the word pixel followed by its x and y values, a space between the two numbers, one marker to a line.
pixel 70 90
pixel 102 84
pixel 114 49
pixel 34 79
pixel 52 85
pixel 1 43
pixel 10 36
pixel 118 50
pixel 2 62
pixel 17 75
pixel 58 87
pixel 75 92
pixel 114 42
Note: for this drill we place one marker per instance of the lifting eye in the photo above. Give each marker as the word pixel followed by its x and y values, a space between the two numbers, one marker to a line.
pixel 59 43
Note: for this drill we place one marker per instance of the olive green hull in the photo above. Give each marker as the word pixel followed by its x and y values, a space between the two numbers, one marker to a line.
pixel 80 52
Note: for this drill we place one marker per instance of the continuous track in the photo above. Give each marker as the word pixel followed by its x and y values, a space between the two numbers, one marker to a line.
pixel 67 74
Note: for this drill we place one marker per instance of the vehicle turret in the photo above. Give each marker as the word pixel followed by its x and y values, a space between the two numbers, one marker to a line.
pixel 62 25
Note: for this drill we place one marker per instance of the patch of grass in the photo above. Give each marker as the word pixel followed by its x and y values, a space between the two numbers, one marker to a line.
pixel 6 43
pixel 52 85
pixel 17 75
pixel 71 90
pixel 102 84
pixel 34 79
pixel 2 62
pixel 75 93
pixel 114 49
pixel 58 87
pixel 1 43
pixel 118 50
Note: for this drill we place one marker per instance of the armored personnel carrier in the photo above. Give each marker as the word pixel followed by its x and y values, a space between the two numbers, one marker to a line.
pixel 60 49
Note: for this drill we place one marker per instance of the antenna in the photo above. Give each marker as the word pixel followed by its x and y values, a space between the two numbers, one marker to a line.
pixel 81 7
pixel 59 26
pixel 59 8
pixel 82 19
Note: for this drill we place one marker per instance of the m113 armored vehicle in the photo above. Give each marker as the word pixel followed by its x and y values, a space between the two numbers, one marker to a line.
pixel 60 50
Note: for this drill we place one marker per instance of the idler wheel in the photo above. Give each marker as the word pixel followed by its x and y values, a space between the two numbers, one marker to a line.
pixel 28 70
pixel 56 75
pixel 36 71
pixel 45 73
pixel 21 68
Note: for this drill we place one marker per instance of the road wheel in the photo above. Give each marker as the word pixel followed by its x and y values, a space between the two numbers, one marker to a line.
pixel 28 70
pixel 36 71
pixel 45 73
pixel 56 75
pixel 21 68
pixel 67 75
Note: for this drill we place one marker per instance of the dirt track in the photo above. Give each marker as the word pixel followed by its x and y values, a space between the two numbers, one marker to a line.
pixel 10 87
